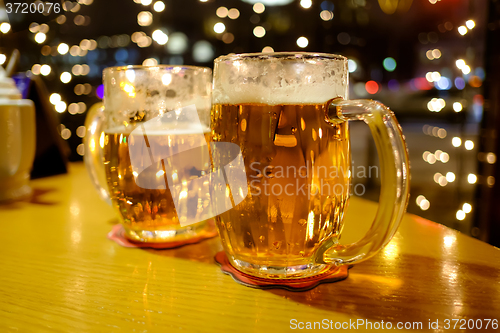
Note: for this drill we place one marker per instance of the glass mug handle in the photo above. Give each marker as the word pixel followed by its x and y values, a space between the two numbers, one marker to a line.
pixel 93 156
pixel 394 189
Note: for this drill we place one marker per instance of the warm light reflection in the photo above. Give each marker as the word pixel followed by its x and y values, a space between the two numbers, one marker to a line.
pixel 128 88
pixel 391 251
pixel 310 225
pixel 449 241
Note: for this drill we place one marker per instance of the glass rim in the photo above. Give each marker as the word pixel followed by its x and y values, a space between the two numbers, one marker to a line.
pixel 156 67
pixel 280 55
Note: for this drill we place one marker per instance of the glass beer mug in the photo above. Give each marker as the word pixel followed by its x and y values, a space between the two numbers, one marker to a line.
pixel 289 114
pixel 134 96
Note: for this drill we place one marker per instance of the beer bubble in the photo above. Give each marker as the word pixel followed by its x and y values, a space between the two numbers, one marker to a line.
pixel 294 130
pixel 269 171
pixel 261 238
pixel 302 222
pixel 229 226
pixel 277 244
pixel 302 253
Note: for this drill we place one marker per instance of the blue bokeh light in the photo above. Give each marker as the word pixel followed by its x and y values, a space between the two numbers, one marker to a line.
pixel 100 91
pixel 459 83
pixel 444 83
pixel 389 64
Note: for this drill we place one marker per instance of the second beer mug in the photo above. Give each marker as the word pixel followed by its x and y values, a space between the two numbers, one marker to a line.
pixel 138 125
pixel 288 113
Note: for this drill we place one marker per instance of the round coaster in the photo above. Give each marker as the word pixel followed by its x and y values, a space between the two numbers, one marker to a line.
pixel 117 235
pixel 333 274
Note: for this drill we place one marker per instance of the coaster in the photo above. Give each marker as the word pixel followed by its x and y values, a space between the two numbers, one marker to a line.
pixel 117 235
pixel 333 274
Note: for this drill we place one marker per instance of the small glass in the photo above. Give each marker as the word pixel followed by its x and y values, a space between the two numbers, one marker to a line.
pixel 138 98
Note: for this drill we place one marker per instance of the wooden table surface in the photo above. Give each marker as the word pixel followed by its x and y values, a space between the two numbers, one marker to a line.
pixel 59 272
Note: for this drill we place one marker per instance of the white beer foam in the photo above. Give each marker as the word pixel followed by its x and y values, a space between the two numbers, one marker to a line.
pixel 156 90
pixel 296 80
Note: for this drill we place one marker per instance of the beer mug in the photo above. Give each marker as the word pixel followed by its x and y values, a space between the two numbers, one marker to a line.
pixel 137 98
pixel 289 114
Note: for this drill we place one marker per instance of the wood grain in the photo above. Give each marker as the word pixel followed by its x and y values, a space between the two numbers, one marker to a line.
pixel 59 273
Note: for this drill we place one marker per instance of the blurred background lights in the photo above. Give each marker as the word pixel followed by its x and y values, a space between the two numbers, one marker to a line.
pixel 222 12
pixel 423 203
pixel 177 43
pixel 160 37
pixel 63 48
pixel 433 76
pixel 460 215
pixel 100 91
pixel 444 157
pixel 159 6
pixel 81 131
pixel 260 32
pixel 389 64
pixel 466 69
pixel 219 27
pixel 302 42
pixel 305 3
pixel 228 38
pixel 472 178
pixel 457 106
pixel 146 2
pixel 429 157
pixel 3 57
pixel 462 30
pixel 145 18
pixel 203 51
pixel 4 27
pixel 233 13
pixel 459 83
pixel 54 98
pixel 65 133
pixel 267 49
pixel 40 37
pixel 491 158
pixel 352 65
pixel 470 24
pixel 467 208
pixel 456 141
pixel 436 104
pixel 80 149
pixel 259 8
pixel 460 63
pixel 65 77
pixel 326 15
pixel 450 177
pixel 150 62
pixel 469 145
pixel 45 70
pixel 443 83
pixel 60 106
pixel 371 87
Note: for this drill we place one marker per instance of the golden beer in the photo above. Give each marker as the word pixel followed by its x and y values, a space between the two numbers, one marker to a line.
pixel 145 210
pixel 297 167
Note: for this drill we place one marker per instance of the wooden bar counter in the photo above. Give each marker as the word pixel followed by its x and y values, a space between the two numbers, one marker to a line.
pixel 59 273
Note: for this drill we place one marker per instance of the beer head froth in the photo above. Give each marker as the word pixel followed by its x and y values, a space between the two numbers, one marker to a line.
pixel 281 79
pixel 138 94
